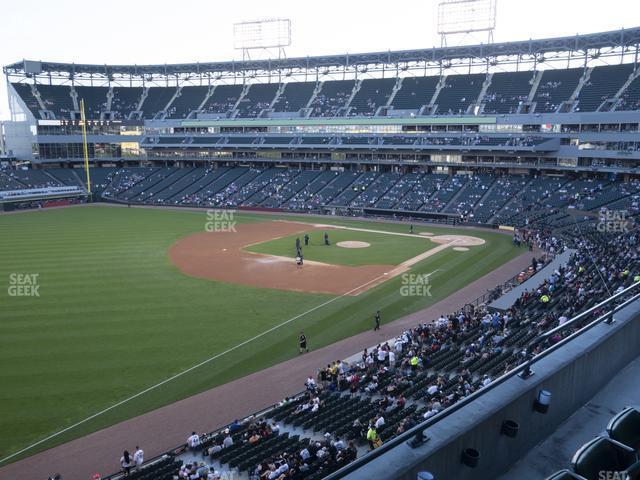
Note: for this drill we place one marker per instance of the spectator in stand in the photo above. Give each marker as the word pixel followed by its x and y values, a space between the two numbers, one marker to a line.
pixel 138 457
pixel 125 463
pixel 193 441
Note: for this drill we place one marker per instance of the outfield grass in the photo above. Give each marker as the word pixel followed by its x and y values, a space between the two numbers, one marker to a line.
pixel 114 316
pixel 384 249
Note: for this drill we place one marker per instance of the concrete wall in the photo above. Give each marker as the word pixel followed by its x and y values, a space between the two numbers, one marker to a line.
pixel 19 132
pixel 573 374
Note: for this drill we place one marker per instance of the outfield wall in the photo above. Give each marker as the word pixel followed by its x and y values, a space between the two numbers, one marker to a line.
pixel 573 374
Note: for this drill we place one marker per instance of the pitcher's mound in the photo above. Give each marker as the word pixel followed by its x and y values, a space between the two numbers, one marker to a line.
pixel 353 244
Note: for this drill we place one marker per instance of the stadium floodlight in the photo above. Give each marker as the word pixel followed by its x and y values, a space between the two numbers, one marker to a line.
pixel 466 16
pixel 270 33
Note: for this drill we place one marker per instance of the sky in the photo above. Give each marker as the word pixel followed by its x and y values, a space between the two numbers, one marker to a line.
pixel 159 31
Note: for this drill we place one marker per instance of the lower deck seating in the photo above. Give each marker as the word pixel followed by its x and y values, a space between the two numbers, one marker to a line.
pixel 480 198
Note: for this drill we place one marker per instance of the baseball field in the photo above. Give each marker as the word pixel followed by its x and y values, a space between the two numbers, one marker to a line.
pixel 104 306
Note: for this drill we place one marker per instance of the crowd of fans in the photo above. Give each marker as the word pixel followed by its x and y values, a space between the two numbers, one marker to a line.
pixel 432 366
pixel 480 198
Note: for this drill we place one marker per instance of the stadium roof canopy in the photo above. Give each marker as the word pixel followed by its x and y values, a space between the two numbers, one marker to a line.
pixel 593 45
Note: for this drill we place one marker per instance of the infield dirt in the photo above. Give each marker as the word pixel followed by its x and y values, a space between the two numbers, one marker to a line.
pixel 220 256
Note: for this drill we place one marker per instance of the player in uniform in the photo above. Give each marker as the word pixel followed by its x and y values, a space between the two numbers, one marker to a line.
pixel 326 238
pixel 306 239
pixel 303 343
pixel 299 260
pixel 377 319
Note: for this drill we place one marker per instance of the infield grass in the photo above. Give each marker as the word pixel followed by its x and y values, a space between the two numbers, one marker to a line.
pixel 114 316
pixel 384 249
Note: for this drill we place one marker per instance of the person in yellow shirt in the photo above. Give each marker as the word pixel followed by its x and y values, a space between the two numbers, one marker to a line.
pixel 372 436
pixel 414 363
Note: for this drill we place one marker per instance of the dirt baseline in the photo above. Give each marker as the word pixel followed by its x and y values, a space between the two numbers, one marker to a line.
pixel 220 256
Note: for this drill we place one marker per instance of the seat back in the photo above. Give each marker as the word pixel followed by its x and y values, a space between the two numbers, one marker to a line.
pixel 625 428
pixel 600 456
pixel 564 475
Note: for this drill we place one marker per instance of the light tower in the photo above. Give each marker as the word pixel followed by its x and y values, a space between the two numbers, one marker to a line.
pixel 266 36
pixel 459 18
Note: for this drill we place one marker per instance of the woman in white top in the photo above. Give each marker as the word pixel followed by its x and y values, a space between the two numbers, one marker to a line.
pixel 125 462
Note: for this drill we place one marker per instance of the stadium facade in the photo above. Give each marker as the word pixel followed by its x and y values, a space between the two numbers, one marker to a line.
pixel 562 104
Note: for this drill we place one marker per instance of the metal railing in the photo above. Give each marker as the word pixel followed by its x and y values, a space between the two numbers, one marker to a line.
pixel 416 435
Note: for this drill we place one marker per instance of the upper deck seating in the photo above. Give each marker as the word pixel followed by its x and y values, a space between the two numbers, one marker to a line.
pixel 507 91
pixel 157 100
pixel 603 84
pixel 189 100
pixel 555 87
pixel 333 96
pixel 259 98
pixel 296 95
pixel 415 92
pixel 459 92
pixel 95 100
pixel 373 93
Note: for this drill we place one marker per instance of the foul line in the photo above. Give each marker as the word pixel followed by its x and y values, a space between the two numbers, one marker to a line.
pixel 184 372
pixel 356 229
